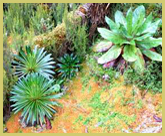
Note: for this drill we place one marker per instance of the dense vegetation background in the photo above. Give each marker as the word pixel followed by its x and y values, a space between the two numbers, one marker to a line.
pixel 69 33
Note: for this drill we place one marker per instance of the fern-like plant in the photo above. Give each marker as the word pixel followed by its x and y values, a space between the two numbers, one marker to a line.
pixel 35 96
pixel 68 66
pixel 33 61
pixel 132 37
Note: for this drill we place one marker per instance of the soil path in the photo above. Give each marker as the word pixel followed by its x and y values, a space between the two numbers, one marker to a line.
pixel 95 107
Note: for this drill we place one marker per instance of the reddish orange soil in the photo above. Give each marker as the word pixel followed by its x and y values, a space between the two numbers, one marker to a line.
pixel 76 103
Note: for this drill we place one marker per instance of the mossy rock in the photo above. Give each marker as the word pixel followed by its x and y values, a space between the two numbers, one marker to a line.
pixel 56 37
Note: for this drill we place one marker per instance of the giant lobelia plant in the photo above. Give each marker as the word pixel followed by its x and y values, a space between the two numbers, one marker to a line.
pixel 34 61
pixel 130 37
pixel 35 96
pixel 68 66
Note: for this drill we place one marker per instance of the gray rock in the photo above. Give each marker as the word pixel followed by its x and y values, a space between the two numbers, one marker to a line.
pixel 5 130
pixel 106 77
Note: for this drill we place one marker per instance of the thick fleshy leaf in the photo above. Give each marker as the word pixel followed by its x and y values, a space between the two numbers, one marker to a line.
pixel 139 11
pixel 130 53
pixel 150 42
pixel 152 55
pixel 110 55
pixel 105 33
pixel 152 27
pixel 138 18
pixel 139 64
pixel 145 25
pixel 120 19
pixel 140 38
pixel 113 26
pixel 111 36
pixel 102 46
pixel 109 64
pixel 129 20
pixel 125 33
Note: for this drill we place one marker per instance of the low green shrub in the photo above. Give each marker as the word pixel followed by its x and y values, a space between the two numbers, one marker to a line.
pixel 76 34
pixel 41 20
pixel 17 17
pixel 8 78
pixel 97 71
pixel 68 66
pixel 150 80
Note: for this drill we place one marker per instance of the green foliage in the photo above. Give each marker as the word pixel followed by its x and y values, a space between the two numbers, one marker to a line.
pixel 140 104
pixel 150 80
pixel 80 118
pixel 26 16
pixel 17 17
pixel 76 34
pixel 5 85
pixel 28 19
pixel 8 78
pixel 41 20
pixel 54 41
pixel 105 115
pixel 155 8
pixel 8 82
pixel 35 96
pixel 7 54
pixel 80 41
pixel 97 71
pixel 85 81
pixel 134 35
pixel 68 65
pixel 35 61
pixel 58 12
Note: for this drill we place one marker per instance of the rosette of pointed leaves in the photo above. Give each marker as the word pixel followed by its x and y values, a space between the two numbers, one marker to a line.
pixel 68 65
pixel 34 61
pixel 35 95
pixel 132 37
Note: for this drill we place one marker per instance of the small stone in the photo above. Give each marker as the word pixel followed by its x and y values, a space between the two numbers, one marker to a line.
pixel 44 126
pixel 23 125
pixel 157 118
pixel 96 58
pixel 125 131
pixel 98 124
pixel 105 77
pixel 39 130
pixel 64 130
pixel 5 129
pixel 86 130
